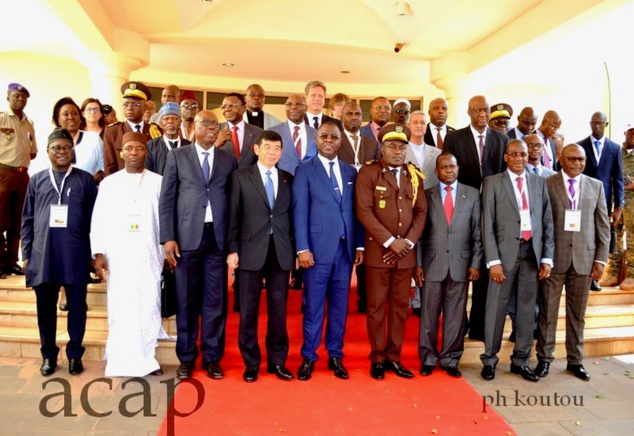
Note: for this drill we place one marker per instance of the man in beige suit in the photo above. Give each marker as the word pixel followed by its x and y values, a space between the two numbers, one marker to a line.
pixel 582 237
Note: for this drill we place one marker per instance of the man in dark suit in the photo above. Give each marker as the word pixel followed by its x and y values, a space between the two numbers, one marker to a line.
pixel 526 122
pixel 437 129
pixel 547 130
pixel 298 137
pixel 450 253
pixel 582 237
pixel 379 116
pixel 391 205
pixel 604 162
pixel 315 94
pixel 235 136
pixel 254 114
pixel 261 245
pixel 328 243
pixel 193 220
pixel 135 94
pixel 517 234
pixel 480 153
pixel 157 148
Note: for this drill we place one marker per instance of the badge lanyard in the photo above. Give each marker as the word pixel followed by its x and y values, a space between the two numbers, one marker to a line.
pixel 60 190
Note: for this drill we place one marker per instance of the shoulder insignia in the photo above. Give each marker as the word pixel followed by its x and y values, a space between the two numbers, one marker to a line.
pixel 114 124
pixel 155 131
pixel 370 162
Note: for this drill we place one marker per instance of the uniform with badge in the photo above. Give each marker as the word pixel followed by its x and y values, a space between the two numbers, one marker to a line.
pixel 389 209
pixel 112 141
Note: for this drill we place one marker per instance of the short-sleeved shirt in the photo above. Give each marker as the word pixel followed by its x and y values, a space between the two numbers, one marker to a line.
pixel 17 140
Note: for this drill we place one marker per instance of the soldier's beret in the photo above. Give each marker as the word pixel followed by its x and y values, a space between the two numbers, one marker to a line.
pixel 16 87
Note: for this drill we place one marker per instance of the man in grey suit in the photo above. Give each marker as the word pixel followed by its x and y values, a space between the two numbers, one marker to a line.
pixel 582 238
pixel 517 234
pixel 450 253
pixel 235 136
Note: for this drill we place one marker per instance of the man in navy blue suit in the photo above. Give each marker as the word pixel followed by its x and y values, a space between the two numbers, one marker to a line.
pixel 328 243
pixel 192 217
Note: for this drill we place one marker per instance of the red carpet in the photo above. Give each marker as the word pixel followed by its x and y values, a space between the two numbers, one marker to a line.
pixel 326 405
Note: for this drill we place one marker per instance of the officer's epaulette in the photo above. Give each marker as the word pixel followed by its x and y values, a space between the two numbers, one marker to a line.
pixel 155 131
pixel 114 124
pixel 370 162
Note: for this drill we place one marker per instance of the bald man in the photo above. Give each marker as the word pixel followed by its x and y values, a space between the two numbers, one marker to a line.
pixel 437 129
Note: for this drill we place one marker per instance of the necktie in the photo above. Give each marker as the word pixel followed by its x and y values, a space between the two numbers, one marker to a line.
pixel 316 122
pixel 236 142
pixel 597 145
pixel 355 139
pixel 481 146
pixel 173 144
pixel 268 187
pixel 206 166
pixel 439 142
pixel 137 128
pixel 526 234
pixel 333 180
pixel 535 170
pixel 546 155
pixel 448 204
pixel 395 172
pixel 571 190
pixel 298 142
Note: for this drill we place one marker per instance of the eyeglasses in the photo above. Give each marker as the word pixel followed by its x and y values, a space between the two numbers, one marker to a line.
pixel 59 148
pixel 230 106
pixel 534 145
pixel 500 122
pixel 573 159
pixel 395 147
pixel 131 104
pixel 207 122
pixel 518 154
pixel 383 108
pixel 289 104
pixel 190 106
pixel 401 111
pixel 93 109
pixel 324 136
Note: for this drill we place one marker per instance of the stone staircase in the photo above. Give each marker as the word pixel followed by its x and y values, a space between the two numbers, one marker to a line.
pixel 609 326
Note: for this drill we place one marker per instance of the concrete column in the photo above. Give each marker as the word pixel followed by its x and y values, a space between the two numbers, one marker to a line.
pixel 450 73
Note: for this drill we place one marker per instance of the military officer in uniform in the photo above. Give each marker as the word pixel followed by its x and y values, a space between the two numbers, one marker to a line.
pixel 135 96
pixel 391 206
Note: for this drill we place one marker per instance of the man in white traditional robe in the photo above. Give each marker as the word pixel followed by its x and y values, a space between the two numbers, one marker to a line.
pixel 125 243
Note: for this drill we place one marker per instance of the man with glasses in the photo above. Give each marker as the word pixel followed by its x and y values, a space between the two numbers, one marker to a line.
pixel 500 117
pixel 438 128
pixel 56 248
pixel 379 114
pixel 235 136
pixel 391 206
pixel 400 111
pixel 135 96
pixel 328 242
pixel 254 115
pixel 582 238
pixel 517 235
pixel 193 210
pixel 190 106
pixel 297 136
pixel 535 146
pixel 526 122
pixel 547 130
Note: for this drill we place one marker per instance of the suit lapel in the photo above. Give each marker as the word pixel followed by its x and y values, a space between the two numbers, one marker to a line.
pixel 473 148
pixel 436 200
pixel 195 163
pixel 510 190
pixel 282 188
pixel 346 149
pixel 325 178
pixel 561 190
pixel 256 179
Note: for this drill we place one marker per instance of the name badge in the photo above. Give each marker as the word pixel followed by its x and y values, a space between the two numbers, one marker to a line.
pixel 134 223
pixel 572 220
pixel 525 220
pixel 59 216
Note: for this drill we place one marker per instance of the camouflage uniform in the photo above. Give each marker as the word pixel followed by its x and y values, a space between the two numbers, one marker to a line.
pixel 625 224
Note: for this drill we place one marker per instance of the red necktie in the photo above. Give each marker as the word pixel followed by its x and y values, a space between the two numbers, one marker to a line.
pixel 448 205
pixel 298 142
pixel 439 142
pixel 526 234
pixel 236 141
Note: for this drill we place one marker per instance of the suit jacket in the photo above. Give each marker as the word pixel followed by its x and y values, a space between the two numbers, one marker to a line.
pixel 429 163
pixel 388 210
pixel 112 160
pixel 251 219
pixel 324 118
pixel 579 249
pixel 157 151
pixel 451 249
pixel 609 170
pixel 248 157
pixel 367 132
pixel 462 145
pixel 289 160
pixel 430 137
pixel 269 120
pixel 319 213
pixel 501 219
pixel 368 150
pixel 184 196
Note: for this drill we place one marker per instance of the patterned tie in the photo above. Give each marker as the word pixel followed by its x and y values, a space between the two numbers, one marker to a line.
pixel 333 180
pixel 316 122
pixel 448 205
pixel 236 142
pixel 270 191
pixel 526 234
pixel 439 142
pixel 571 190
pixel 137 128
pixel 173 144
pixel 481 146
pixel 298 142
pixel 206 166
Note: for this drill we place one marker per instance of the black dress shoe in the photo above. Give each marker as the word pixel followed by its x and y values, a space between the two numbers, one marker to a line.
pixel 63 307
pixel 336 365
pixel 48 367
pixel 377 371
pixel 542 368
pixel 525 372
pixel 399 369
pixel 280 372
pixel 250 374
pixel 362 307
pixel 427 369
pixel 185 370
pixel 214 371
pixel 578 371
pixel 2 275
pixel 75 367
pixel 306 369
pixel 594 286
pixel 296 284
pixel 15 269
pixel 416 311
pixel 488 372
pixel 452 371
